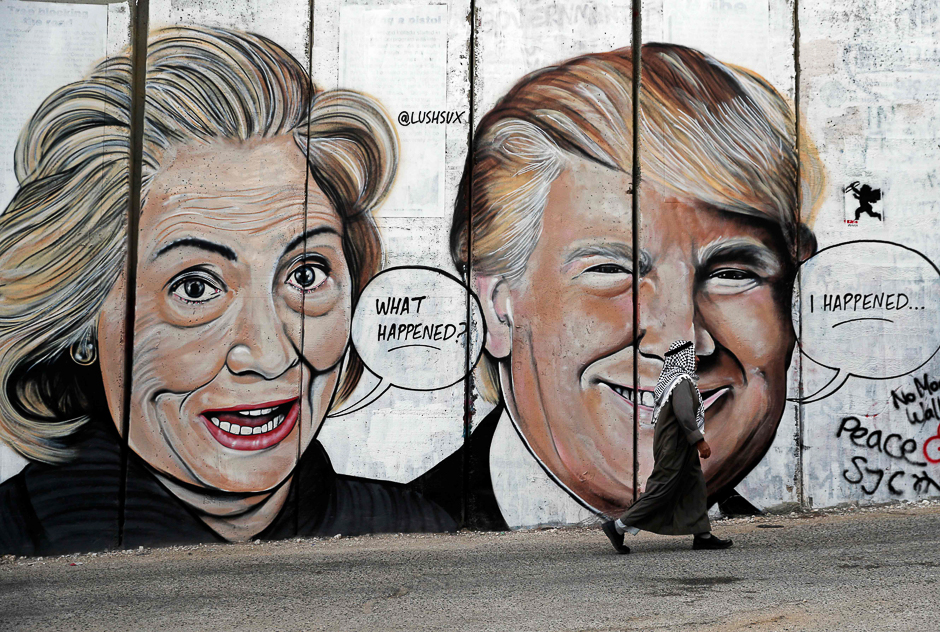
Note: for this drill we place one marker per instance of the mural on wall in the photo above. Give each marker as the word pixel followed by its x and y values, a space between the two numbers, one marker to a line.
pixel 353 315
pixel 255 221
pixel 549 248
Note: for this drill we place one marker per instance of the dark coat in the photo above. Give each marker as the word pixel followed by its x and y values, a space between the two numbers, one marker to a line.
pixel 675 500
pixel 74 507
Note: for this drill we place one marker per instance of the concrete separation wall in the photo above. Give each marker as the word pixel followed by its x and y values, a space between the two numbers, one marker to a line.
pixel 323 266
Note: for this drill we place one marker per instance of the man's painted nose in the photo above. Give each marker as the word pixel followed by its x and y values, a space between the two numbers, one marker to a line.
pixel 667 312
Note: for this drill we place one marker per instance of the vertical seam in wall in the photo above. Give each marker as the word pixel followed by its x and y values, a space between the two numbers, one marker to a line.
pixel 303 297
pixel 636 50
pixel 801 496
pixel 468 386
pixel 139 32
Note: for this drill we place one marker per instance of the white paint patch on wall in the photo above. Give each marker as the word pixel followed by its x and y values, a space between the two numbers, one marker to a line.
pixel 517 37
pixel 45 46
pixel 754 34
pixel 286 23
pixel 736 31
pixel 398 54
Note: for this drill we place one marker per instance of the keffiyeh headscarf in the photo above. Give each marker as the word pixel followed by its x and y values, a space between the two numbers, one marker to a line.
pixel 679 364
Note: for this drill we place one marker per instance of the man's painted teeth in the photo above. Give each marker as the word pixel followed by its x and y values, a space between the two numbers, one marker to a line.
pixel 646 397
pixel 248 430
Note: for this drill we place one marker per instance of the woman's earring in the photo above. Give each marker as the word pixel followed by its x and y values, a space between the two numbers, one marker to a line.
pixel 85 351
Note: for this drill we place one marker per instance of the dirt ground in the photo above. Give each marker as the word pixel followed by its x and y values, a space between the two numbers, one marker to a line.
pixel 849 569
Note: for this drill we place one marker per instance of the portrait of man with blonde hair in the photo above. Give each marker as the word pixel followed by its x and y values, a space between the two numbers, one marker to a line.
pixel 544 228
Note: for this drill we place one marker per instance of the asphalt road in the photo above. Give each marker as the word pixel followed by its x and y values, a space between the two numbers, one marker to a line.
pixel 859 570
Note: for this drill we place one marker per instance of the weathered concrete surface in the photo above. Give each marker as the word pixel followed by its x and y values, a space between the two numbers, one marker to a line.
pixel 874 569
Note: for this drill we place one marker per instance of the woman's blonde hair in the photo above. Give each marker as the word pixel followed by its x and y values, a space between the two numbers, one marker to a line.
pixel 710 131
pixel 62 237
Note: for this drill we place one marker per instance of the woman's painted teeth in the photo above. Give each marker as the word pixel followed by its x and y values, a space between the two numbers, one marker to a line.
pixel 236 429
pixel 253 428
pixel 257 412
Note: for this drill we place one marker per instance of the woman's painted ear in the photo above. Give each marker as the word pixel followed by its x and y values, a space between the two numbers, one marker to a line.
pixel 496 301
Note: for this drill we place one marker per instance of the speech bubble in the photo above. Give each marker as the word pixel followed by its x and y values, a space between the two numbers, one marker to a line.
pixel 869 310
pixel 418 329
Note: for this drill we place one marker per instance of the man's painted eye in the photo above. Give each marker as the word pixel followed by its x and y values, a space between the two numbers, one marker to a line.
pixel 195 289
pixel 733 274
pixel 608 268
pixel 307 277
pixel 732 280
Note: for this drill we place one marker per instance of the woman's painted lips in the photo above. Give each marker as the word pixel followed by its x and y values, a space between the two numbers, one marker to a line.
pixel 252 427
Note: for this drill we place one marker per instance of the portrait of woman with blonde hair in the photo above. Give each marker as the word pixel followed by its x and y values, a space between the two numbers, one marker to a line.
pixel 255 238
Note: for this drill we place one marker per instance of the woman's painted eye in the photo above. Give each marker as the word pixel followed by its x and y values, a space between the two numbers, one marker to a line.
pixel 195 289
pixel 608 268
pixel 307 277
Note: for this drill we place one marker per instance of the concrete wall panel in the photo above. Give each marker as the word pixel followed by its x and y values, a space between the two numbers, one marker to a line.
pixel 64 190
pixel 414 58
pixel 869 100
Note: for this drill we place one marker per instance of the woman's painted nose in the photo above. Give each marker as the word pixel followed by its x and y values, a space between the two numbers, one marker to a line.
pixel 263 346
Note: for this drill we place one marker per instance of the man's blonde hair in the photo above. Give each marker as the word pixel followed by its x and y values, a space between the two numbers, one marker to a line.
pixel 710 131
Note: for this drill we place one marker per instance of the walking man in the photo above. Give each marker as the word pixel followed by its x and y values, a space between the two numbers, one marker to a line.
pixel 674 502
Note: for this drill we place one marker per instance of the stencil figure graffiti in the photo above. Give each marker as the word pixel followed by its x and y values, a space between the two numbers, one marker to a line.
pixel 866 196
pixel 256 217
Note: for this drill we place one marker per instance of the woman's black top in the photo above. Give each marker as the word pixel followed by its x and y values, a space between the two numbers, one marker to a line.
pixel 75 507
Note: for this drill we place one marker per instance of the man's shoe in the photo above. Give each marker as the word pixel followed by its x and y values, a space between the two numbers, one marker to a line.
pixel 699 544
pixel 615 538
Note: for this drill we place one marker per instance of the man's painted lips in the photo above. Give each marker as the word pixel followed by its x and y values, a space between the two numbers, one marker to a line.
pixel 647 398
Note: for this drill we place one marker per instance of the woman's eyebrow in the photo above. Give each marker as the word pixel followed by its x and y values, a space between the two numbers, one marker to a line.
pixel 741 249
pixel 197 242
pixel 319 230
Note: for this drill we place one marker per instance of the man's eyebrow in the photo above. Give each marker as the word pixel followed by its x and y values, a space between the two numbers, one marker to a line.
pixel 313 232
pixel 197 242
pixel 741 248
pixel 614 251
pixel 620 251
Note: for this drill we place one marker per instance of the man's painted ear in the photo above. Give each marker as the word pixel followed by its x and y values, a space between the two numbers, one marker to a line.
pixel 495 298
pixel 806 243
